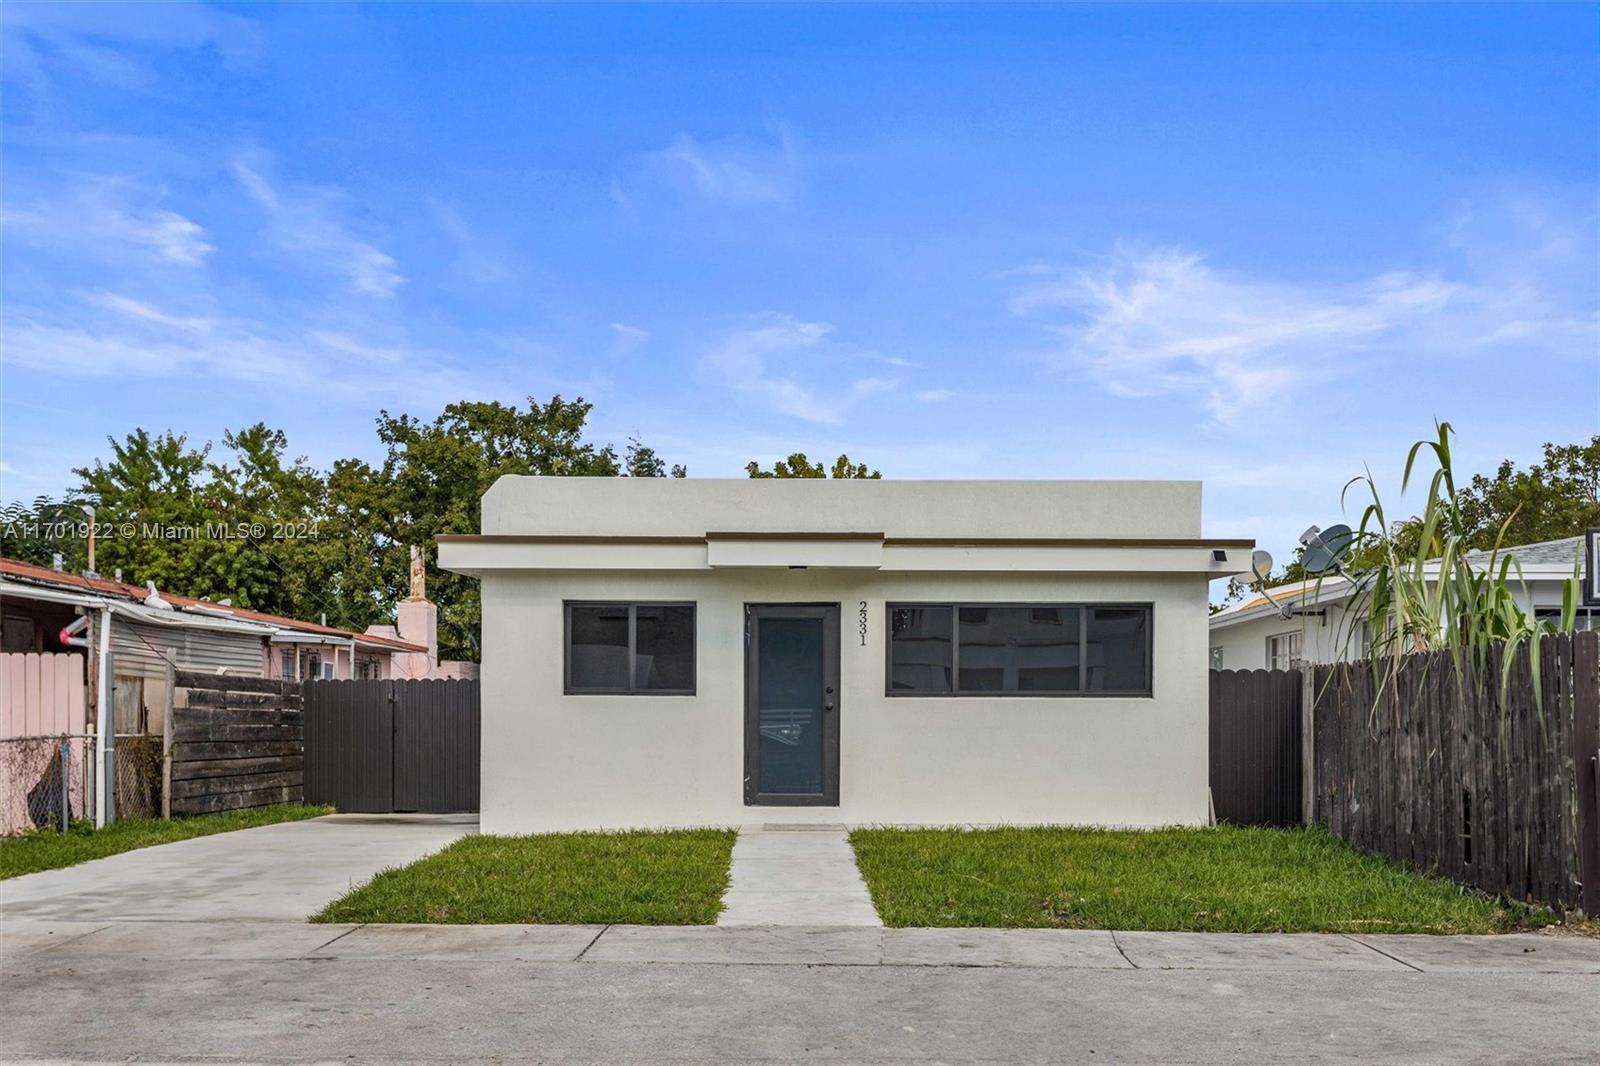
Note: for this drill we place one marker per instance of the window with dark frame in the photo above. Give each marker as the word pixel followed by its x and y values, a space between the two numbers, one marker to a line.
pixel 629 648
pixel 1028 649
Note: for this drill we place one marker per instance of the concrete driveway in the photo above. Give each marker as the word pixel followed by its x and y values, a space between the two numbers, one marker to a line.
pixel 276 873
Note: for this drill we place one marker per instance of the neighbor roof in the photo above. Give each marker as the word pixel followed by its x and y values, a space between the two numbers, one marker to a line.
pixel 189 605
pixel 1544 559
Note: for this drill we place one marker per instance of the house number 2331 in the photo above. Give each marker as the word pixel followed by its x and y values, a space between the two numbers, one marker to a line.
pixel 863 626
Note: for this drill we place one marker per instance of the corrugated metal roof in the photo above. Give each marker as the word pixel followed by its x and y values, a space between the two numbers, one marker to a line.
pixel 43 575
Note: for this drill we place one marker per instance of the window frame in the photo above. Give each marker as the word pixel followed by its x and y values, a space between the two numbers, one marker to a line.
pixel 633 642
pixel 1083 607
pixel 1297 634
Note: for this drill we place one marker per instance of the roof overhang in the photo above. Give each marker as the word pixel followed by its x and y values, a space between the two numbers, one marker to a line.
pixel 476 555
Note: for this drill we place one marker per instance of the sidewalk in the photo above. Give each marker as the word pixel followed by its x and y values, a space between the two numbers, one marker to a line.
pixel 26 944
pixel 295 992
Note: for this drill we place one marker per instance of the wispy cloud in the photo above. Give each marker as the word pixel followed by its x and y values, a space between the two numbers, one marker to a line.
pixel 935 395
pixel 795 368
pixel 1150 322
pixel 113 335
pixel 745 359
pixel 734 174
pixel 302 220
pixel 110 214
pixel 113 44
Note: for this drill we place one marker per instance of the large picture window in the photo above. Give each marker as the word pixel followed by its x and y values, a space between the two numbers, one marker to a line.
pixel 1034 649
pixel 630 648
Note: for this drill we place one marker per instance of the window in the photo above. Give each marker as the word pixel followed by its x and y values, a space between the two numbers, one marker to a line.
pixel 1019 649
pixel 1216 658
pixel 637 648
pixel 286 664
pixel 1583 619
pixel 1283 651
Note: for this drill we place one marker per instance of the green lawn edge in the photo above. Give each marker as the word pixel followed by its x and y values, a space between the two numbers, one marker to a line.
pixel 630 877
pixel 47 849
pixel 1212 879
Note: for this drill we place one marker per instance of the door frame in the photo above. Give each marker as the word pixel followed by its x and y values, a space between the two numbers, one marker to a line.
pixel 828 613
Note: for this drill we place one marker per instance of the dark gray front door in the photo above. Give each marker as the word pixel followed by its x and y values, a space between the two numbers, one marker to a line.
pixel 791 704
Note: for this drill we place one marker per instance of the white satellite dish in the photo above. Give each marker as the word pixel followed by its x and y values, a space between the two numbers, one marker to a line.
pixel 1261 564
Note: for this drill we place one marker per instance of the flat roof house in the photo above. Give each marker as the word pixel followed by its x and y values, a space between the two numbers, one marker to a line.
pixel 673 652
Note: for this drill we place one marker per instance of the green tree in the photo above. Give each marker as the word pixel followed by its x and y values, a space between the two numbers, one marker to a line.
pixel 152 494
pixel 35 532
pixel 798 466
pixel 432 480
pixel 1555 498
pixel 641 460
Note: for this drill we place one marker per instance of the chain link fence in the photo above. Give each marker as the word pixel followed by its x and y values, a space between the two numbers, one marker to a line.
pixel 38 774
pixel 138 775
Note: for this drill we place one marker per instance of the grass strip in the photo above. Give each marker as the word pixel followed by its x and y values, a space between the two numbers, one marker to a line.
pixel 1220 879
pixel 632 878
pixel 46 849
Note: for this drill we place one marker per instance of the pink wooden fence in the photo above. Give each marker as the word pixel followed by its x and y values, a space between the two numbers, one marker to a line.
pixel 41 697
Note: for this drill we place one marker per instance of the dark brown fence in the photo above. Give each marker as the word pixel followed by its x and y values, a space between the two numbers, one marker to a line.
pixel 1446 773
pixel 1256 747
pixel 380 746
pixel 234 742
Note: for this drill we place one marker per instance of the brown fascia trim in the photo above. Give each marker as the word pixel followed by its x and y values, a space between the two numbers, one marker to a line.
pixel 900 542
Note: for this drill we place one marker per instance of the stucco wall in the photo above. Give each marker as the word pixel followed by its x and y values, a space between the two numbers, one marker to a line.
pixel 609 506
pixel 553 762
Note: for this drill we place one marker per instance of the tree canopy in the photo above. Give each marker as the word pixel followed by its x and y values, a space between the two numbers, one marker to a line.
pixel 798 466
pixel 248 522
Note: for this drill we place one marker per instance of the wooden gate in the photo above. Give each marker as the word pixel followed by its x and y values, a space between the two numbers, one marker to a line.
pixel 382 746
pixel 1256 737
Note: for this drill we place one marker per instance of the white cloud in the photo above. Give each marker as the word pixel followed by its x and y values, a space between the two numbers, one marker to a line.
pixel 744 359
pixel 114 336
pixel 728 173
pixel 1147 323
pixel 936 395
pixel 795 367
pixel 628 337
pixel 302 222
pixel 100 214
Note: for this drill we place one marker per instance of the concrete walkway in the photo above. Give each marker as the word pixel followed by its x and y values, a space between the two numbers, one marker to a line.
pixel 282 872
pixel 795 876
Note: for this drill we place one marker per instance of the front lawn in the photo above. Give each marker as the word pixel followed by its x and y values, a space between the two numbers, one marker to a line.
pixel 631 878
pixel 1219 879
pixel 46 849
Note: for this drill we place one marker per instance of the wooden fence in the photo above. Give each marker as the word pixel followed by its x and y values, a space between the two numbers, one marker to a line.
pixel 1446 773
pixel 1255 747
pixel 232 742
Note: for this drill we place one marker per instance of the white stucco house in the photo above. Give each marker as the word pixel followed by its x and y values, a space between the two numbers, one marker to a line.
pixel 1253 634
pixel 670 652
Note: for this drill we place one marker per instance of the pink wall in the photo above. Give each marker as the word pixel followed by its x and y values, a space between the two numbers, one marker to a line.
pixel 42 695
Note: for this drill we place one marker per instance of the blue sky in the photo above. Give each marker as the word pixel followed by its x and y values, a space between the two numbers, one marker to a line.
pixel 1257 246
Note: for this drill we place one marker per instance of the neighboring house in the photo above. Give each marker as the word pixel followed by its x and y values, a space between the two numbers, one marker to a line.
pixel 150 628
pixel 1253 634
pixel 709 652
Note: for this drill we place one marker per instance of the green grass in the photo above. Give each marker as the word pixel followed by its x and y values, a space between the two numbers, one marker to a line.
pixel 633 878
pixel 46 849
pixel 1221 879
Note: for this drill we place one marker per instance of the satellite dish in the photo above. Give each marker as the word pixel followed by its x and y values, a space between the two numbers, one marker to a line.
pixel 1325 548
pixel 1261 564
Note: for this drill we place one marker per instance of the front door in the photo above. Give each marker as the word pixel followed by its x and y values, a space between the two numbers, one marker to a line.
pixel 791 705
